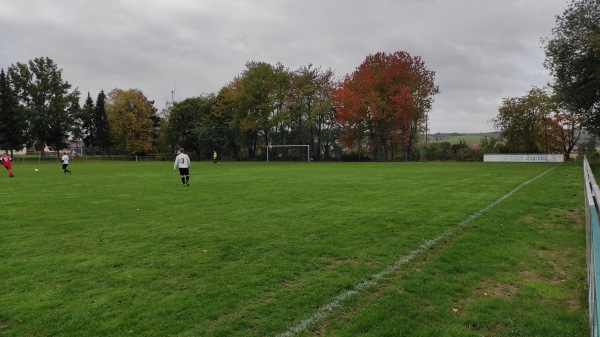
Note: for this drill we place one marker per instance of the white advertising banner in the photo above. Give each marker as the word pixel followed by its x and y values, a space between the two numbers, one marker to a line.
pixel 524 158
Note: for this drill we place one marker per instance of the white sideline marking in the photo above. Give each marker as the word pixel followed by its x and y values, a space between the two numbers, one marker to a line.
pixel 374 279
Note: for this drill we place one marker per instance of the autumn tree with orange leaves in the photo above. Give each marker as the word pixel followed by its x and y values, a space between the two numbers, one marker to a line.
pixel 130 118
pixel 565 128
pixel 383 104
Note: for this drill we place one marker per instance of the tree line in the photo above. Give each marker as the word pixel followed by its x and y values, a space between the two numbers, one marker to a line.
pixel 39 110
pixel 378 111
pixel 551 119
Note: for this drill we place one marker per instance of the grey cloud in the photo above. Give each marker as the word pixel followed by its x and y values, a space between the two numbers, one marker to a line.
pixel 481 51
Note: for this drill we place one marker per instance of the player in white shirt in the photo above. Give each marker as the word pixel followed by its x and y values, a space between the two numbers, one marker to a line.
pixel 183 161
pixel 65 162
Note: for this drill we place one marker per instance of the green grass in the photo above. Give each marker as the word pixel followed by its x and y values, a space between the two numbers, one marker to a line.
pixel 251 249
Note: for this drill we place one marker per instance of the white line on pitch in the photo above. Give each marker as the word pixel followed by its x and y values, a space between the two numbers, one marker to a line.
pixel 374 279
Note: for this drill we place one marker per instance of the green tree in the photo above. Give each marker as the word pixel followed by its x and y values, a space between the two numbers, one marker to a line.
pixel 537 123
pixel 523 122
pixel 77 129
pixel 156 122
pixel 102 138
pixel 49 103
pixel 188 120
pixel 487 145
pixel 88 129
pixel 64 129
pixel 424 89
pixel 162 142
pixel 12 122
pixel 60 123
pixel 223 111
pixel 461 151
pixel 588 148
pixel 130 120
pixel 258 97
pixel 573 57
pixel 311 112
pixel 271 104
pixel 94 125
pixel 439 151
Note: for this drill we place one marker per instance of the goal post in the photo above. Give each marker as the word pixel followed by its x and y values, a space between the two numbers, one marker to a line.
pixel 292 146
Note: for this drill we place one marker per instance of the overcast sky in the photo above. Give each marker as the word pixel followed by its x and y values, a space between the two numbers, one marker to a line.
pixel 481 50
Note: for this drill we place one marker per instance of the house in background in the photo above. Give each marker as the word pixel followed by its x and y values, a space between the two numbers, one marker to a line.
pixel 21 152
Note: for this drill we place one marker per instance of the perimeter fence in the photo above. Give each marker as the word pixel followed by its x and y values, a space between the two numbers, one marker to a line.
pixel 592 199
pixel 91 159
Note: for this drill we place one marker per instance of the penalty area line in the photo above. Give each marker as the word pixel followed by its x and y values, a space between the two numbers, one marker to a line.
pixel 323 311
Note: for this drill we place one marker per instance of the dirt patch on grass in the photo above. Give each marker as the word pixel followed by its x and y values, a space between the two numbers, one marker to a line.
pixel 576 217
pixel 551 268
pixel 573 218
pixel 336 262
pixel 494 288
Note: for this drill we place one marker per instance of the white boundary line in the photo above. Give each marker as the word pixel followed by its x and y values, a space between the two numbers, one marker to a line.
pixel 374 279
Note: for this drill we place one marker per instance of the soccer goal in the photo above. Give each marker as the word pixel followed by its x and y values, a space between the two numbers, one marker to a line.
pixel 288 152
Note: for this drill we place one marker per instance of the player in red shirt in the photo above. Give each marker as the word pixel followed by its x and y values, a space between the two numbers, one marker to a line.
pixel 5 160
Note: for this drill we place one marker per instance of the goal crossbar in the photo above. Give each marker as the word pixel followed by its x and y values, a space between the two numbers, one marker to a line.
pixel 307 150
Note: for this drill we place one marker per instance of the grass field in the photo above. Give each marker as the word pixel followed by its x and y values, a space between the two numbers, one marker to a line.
pixel 293 249
pixel 468 139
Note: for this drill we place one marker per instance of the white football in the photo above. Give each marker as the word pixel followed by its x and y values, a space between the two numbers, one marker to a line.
pixel 36 170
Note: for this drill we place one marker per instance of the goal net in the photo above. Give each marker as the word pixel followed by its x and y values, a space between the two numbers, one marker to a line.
pixel 288 153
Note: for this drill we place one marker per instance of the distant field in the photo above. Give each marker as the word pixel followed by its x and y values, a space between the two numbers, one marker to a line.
pixel 469 139
pixel 293 249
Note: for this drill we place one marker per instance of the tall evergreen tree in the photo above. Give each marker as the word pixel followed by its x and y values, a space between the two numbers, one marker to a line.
pixel 102 139
pixel 87 126
pixel 12 123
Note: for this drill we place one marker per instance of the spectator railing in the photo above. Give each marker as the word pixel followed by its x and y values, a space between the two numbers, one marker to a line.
pixel 592 198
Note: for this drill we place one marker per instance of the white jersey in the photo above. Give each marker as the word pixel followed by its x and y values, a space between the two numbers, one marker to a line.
pixel 182 160
pixel 65 159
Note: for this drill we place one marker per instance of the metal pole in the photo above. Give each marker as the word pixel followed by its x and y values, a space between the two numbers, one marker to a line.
pixel 426 127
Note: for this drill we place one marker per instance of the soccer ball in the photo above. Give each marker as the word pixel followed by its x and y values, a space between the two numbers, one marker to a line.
pixel 36 170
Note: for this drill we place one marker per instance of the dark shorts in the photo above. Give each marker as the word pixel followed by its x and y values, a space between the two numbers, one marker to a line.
pixel 65 166
pixel 184 171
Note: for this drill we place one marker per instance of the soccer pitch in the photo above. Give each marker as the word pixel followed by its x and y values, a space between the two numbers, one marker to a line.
pixel 293 249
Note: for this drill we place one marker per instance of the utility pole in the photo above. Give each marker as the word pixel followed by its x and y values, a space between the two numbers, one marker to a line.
pixel 426 130
pixel 173 94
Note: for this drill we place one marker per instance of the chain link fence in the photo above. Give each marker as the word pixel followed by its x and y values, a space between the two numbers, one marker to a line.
pixel 90 159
